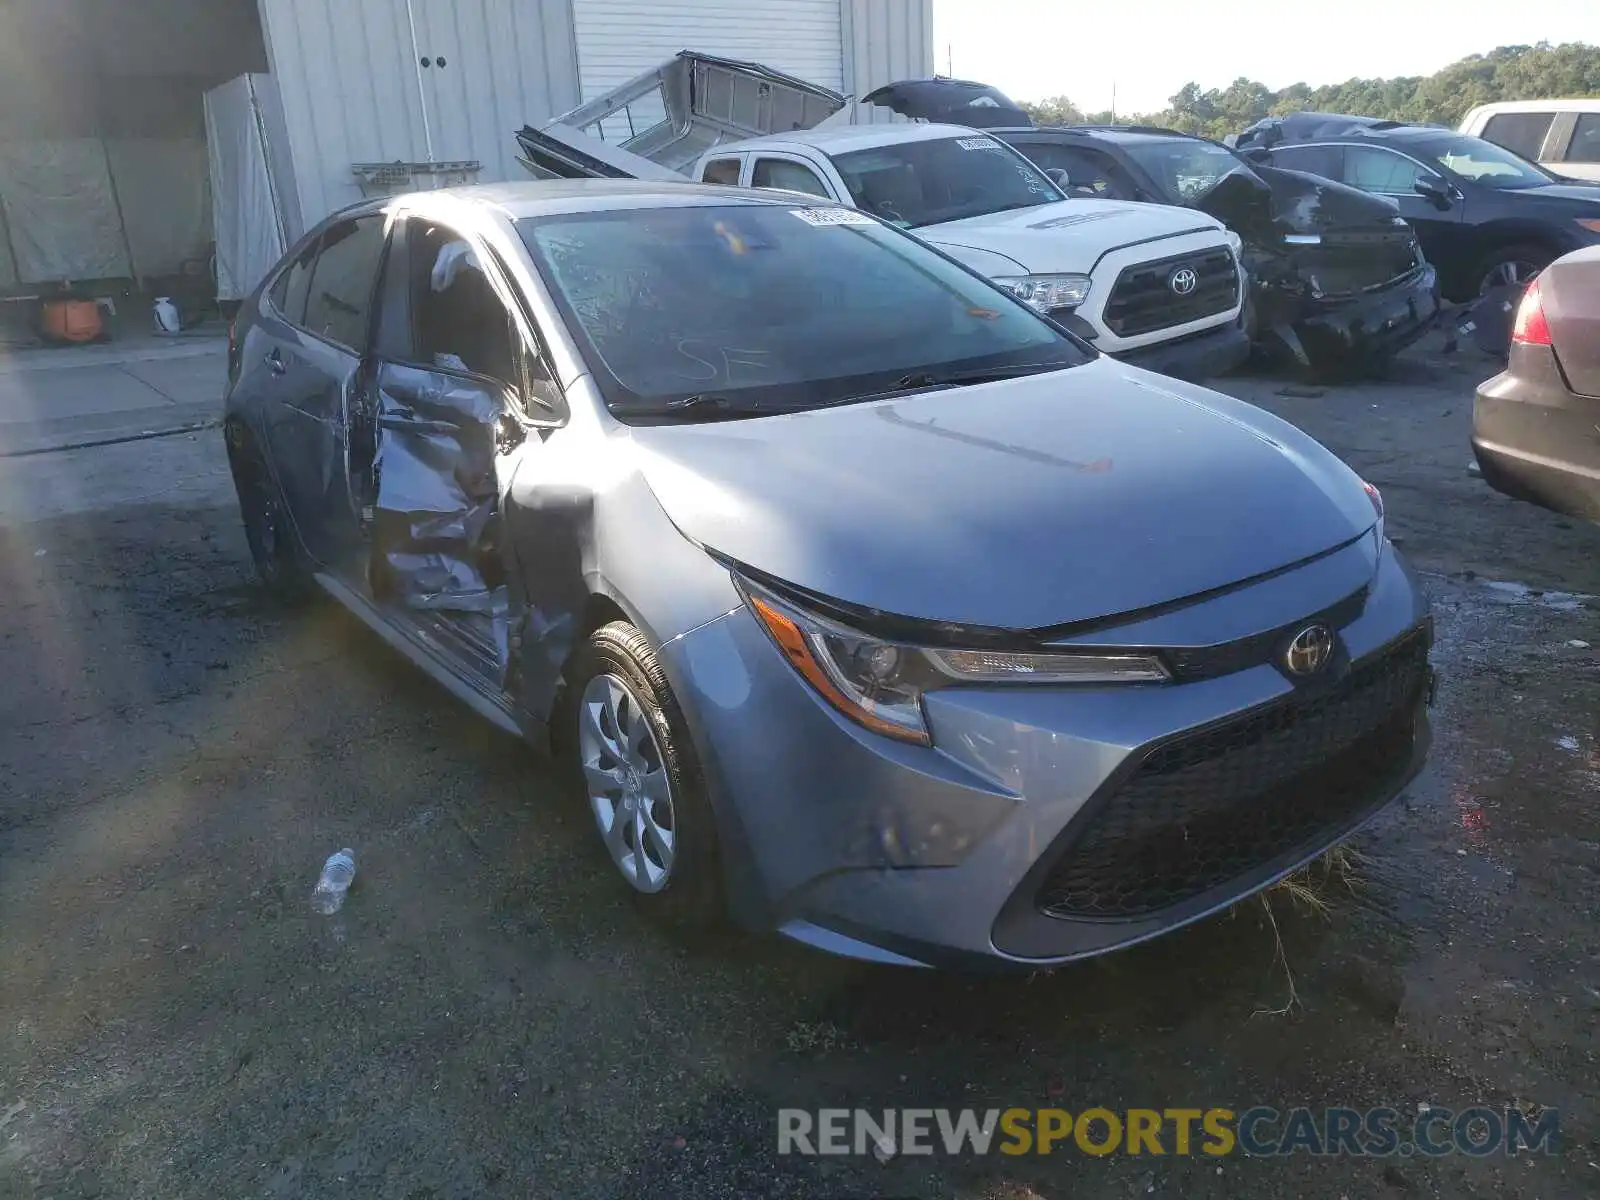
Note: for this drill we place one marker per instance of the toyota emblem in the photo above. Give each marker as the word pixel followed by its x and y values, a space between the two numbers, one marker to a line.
pixel 1309 650
pixel 1183 281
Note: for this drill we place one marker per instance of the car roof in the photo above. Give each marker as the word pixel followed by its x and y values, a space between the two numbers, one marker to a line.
pixel 544 197
pixel 1300 128
pixel 841 139
pixel 1125 135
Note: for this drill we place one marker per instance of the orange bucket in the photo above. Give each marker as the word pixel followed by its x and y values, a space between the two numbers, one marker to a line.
pixel 72 321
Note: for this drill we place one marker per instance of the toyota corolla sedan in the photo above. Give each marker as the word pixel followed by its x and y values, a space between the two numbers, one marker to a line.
pixel 862 602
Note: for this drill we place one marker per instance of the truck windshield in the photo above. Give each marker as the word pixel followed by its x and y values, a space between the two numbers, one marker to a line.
pixel 762 308
pixel 942 179
pixel 1186 169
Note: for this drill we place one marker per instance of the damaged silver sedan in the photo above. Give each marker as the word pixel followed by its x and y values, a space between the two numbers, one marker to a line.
pixel 861 602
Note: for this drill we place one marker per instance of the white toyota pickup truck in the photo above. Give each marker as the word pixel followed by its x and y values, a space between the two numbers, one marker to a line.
pixel 1150 284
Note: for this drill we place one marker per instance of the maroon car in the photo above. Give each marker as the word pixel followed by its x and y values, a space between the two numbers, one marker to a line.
pixel 1536 426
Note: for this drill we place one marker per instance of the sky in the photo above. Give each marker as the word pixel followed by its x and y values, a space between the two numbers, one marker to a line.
pixel 1148 49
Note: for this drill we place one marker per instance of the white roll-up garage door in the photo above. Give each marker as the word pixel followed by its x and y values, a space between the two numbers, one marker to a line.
pixel 618 39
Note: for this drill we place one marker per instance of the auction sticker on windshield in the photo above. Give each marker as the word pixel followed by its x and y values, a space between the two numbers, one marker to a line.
pixel 978 143
pixel 832 216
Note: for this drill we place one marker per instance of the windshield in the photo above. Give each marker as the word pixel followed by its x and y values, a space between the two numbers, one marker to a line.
pixel 773 307
pixel 942 179
pixel 1484 162
pixel 1186 169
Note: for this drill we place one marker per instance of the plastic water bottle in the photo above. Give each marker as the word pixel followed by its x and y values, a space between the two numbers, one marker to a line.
pixel 337 874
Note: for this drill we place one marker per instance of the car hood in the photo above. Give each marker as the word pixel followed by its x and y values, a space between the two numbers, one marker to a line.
pixel 1035 502
pixel 950 101
pixel 1262 203
pixel 1067 235
pixel 1566 194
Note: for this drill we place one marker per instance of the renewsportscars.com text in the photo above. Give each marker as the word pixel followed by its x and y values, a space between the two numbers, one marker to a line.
pixel 1261 1131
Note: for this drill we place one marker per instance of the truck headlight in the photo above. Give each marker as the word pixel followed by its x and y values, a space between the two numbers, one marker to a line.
pixel 1047 292
pixel 880 684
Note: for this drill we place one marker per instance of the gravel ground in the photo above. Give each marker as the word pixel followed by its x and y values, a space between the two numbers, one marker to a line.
pixel 487 1017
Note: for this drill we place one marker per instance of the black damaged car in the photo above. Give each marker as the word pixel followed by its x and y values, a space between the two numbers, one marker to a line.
pixel 1338 279
pixel 1337 276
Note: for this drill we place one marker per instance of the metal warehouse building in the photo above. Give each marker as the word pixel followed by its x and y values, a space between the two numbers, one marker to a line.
pixel 133 136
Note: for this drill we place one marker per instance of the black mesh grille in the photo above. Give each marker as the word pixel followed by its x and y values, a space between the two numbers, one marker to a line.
pixel 1354 260
pixel 1214 805
pixel 1143 300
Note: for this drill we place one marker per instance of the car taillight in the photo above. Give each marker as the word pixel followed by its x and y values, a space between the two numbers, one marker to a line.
pixel 1531 328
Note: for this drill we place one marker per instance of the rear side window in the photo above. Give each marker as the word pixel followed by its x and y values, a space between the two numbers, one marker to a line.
pixel 1381 171
pixel 1521 133
pixel 294 285
pixel 1314 160
pixel 1585 144
pixel 343 282
pixel 722 170
pixel 780 173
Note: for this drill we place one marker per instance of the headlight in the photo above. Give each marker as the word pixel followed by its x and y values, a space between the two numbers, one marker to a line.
pixel 1302 239
pixel 880 684
pixel 1374 495
pixel 1045 292
pixel 1235 242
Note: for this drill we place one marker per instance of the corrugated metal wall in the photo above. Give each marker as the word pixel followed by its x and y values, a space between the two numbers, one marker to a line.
pixel 619 39
pixel 885 41
pixel 353 88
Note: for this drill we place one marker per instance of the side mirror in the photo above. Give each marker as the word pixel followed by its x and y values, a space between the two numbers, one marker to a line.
pixel 1059 177
pixel 1433 191
pixel 1257 154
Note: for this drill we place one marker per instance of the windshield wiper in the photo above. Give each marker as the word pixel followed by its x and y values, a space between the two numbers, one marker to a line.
pixel 708 406
pixel 920 380
pixel 926 379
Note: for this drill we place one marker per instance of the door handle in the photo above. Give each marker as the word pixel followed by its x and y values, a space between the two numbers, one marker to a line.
pixel 275 363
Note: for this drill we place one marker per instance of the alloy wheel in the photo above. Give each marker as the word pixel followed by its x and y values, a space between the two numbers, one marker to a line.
pixel 1511 271
pixel 626 778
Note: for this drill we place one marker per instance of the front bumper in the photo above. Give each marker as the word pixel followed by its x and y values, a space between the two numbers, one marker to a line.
pixel 938 856
pixel 1198 356
pixel 1319 333
pixel 1537 440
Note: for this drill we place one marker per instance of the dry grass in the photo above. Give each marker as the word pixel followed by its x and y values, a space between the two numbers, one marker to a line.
pixel 1311 890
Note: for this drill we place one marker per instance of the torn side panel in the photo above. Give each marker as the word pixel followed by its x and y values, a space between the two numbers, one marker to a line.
pixel 657 125
pixel 435 512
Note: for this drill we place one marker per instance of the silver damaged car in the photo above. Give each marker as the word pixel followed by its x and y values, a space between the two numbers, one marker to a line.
pixel 866 604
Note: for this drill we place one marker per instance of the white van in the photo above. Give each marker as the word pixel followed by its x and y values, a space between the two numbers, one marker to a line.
pixel 1562 136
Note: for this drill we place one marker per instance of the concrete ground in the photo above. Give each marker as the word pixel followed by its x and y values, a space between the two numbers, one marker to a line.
pixel 95 395
pixel 488 1016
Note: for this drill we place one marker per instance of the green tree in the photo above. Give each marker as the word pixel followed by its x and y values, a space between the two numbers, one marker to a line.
pixel 1057 110
pixel 1536 72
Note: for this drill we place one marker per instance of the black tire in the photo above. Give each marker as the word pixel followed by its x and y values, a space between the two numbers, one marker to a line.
pixel 267 528
pixel 1524 259
pixel 691 900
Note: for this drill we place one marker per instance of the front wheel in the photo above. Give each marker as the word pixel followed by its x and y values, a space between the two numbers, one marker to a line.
pixel 1508 266
pixel 641 778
